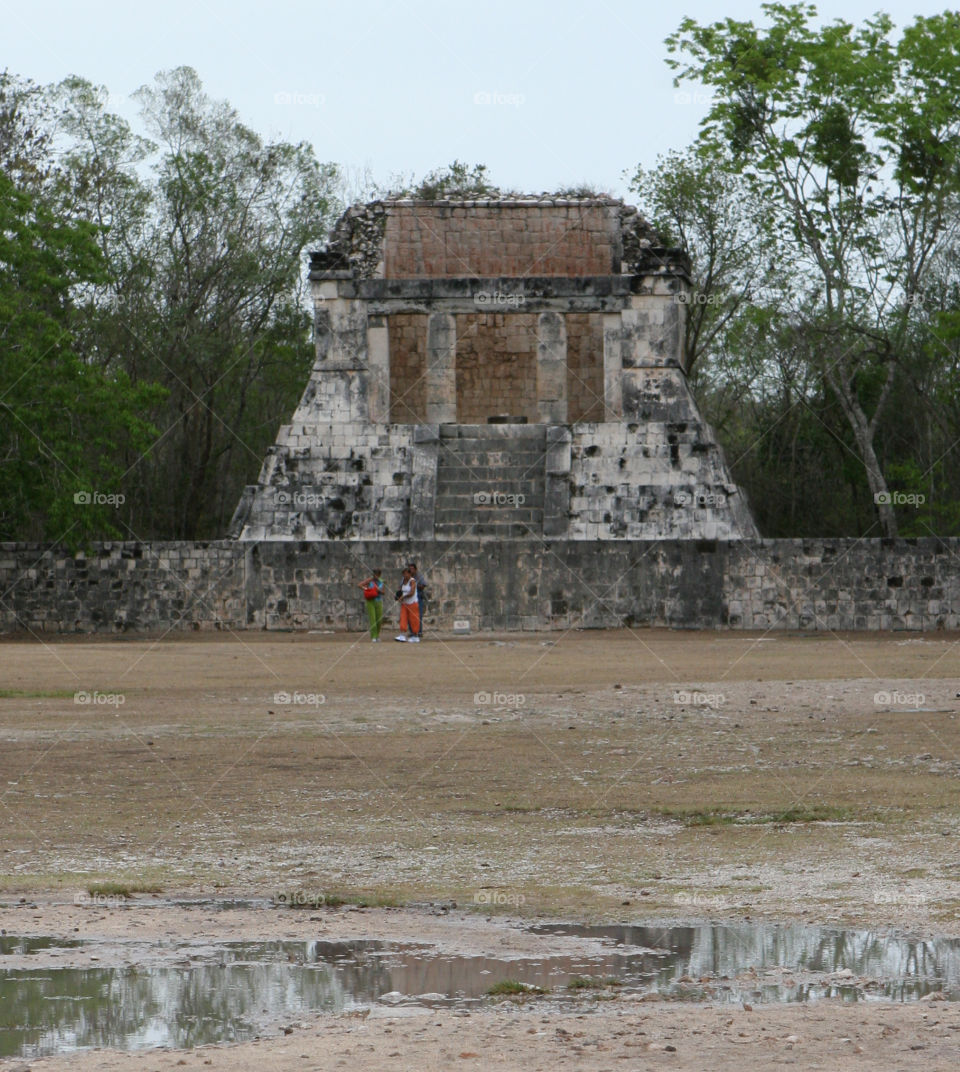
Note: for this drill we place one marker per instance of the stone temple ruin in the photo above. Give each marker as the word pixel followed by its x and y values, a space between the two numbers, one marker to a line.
pixel 510 368
pixel 500 391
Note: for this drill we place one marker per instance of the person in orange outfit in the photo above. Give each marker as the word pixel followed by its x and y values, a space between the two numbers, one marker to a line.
pixel 409 608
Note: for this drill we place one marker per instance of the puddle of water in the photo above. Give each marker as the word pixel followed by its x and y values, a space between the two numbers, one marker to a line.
pixel 11 945
pixel 903 968
pixel 228 992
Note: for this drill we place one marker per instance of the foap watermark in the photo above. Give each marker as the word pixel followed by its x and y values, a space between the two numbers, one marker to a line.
pixel 300 898
pixel 898 897
pixel 499 298
pixel 303 500
pixel 498 498
pixel 696 899
pixel 99 699
pixel 99 498
pixel 499 699
pixel 899 498
pixel 290 99
pixel 300 699
pixel 491 97
pixel 100 900
pixel 697 297
pixel 699 699
pixel 488 896
pixel 698 96
pixel 899 699
pixel 699 498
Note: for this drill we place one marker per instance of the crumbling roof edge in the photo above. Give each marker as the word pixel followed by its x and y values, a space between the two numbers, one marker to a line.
pixel 505 201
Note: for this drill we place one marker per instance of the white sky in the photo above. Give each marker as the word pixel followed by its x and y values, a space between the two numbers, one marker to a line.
pixel 547 93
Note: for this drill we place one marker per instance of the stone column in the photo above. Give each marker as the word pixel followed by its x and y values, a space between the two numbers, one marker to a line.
pixel 556 493
pixel 441 384
pixel 612 368
pixel 552 368
pixel 338 390
pixel 652 381
pixel 653 325
pixel 378 361
pixel 423 486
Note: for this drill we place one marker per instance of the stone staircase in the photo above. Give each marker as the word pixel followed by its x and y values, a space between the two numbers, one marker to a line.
pixel 490 480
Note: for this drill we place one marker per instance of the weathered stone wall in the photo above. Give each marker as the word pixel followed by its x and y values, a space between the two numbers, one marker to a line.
pixel 652 480
pixel 333 481
pixel 496 366
pixel 119 586
pixel 501 238
pixel 509 584
pixel 407 334
pixel 561 313
pixel 584 367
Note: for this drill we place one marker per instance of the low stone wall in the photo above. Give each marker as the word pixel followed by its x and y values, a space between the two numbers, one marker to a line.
pixel 750 584
pixel 115 586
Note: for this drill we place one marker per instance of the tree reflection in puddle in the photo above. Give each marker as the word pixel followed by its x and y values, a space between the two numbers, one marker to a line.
pixel 228 992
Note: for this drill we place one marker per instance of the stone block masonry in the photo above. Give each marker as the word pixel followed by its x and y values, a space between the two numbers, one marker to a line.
pixel 438 320
pixel 119 586
pixel 509 584
pixel 496 366
pixel 408 368
pixel 502 238
pixel 500 392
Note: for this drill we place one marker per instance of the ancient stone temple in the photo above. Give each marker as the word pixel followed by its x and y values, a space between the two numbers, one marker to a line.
pixel 499 393
pixel 492 369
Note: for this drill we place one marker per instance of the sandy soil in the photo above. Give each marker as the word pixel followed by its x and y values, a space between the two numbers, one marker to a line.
pixel 622 776
pixel 630 1036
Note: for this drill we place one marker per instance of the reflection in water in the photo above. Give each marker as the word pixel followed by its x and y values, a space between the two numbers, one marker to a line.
pixel 906 967
pixel 225 993
pixel 52 1010
pixel 17 946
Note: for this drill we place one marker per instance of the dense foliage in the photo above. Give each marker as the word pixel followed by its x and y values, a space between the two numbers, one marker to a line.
pixel 155 328
pixel 154 331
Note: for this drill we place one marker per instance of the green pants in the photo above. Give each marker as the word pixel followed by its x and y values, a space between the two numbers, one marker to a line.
pixel 375 615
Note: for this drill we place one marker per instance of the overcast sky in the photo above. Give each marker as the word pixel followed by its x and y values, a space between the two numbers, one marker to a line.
pixel 547 93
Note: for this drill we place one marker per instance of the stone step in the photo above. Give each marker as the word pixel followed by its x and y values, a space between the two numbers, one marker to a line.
pixel 504 532
pixel 493 500
pixel 496 460
pixel 479 475
pixel 467 481
pixel 472 461
pixel 463 484
pixel 488 516
pixel 457 447
pixel 508 530
pixel 493 431
pixel 499 458
pixel 504 452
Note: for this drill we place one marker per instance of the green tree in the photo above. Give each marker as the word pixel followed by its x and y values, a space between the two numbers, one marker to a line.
pixel 204 231
pixel 697 201
pixel 195 305
pixel 854 143
pixel 220 318
pixel 26 123
pixel 62 419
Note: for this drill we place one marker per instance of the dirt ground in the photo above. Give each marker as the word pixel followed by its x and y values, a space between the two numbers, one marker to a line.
pixel 627 776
